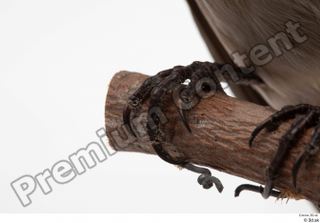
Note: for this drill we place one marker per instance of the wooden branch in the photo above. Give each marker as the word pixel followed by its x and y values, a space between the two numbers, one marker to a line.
pixel 221 127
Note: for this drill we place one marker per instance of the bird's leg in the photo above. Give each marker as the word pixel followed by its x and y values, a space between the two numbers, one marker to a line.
pixel 177 76
pixel 136 100
pixel 202 80
pixel 288 140
pixel 310 150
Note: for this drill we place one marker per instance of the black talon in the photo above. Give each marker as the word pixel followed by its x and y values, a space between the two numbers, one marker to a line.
pixel 184 120
pixel 126 120
pixel 205 179
pixel 267 190
pixel 256 131
pixel 209 181
pixel 165 156
pixel 253 188
pixel 296 167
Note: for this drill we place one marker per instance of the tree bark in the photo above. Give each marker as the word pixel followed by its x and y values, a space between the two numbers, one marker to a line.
pixel 221 128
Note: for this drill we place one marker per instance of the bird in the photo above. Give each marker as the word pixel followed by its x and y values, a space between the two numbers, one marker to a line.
pixel 273 48
pixel 232 30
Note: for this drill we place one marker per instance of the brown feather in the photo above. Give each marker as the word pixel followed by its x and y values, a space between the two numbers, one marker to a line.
pixel 239 25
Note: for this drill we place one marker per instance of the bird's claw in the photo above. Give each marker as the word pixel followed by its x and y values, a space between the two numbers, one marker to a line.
pixel 205 179
pixel 288 140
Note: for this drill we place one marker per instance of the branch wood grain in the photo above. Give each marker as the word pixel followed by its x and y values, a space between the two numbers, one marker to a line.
pixel 221 127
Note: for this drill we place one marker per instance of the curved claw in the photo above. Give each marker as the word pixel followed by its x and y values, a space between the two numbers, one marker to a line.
pixel 209 181
pixel 249 187
pixel 126 120
pixel 165 156
pixel 253 188
pixel 256 131
pixel 184 120
pixel 205 179
pixel 303 156
pixel 267 190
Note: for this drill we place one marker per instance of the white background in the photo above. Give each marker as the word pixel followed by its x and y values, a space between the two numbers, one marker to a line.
pixel 56 61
